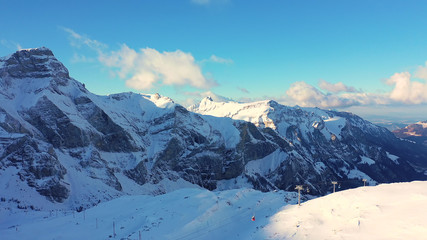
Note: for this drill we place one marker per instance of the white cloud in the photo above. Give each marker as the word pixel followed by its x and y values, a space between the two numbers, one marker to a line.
pixel 201 2
pixel 407 91
pixel 11 44
pixel 421 72
pixel 305 95
pixel 217 59
pixel 78 58
pixel 78 40
pixel 143 69
pixel 244 90
pixel 404 91
pixel 362 98
pixel 209 2
pixel 335 88
pixel 147 67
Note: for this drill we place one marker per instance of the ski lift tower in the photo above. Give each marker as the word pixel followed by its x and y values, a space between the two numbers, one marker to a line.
pixel 334 183
pixel 299 188
pixel 364 181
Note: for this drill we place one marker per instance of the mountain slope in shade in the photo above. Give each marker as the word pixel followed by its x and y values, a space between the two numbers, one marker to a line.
pixel 416 132
pixel 62 147
pixel 387 211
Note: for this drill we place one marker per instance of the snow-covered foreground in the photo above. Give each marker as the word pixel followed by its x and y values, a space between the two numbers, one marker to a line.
pixel 183 214
pixel 390 211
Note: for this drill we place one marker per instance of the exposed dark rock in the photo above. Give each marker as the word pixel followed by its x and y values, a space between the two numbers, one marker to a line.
pixel 40 168
pixel 55 126
pixel 114 138
pixel 54 191
pixel 139 174
pixel 253 144
pixel 33 63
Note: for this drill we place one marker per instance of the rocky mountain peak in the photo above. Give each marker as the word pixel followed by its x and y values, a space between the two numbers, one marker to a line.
pixel 32 63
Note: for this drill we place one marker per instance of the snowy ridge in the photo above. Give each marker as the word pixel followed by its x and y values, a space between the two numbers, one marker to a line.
pixel 273 115
pixel 251 112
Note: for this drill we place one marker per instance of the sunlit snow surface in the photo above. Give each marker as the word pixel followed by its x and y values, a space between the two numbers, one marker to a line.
pixel 389 211
pixel 273 115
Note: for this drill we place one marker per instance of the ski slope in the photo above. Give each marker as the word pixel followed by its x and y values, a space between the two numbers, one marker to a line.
pixel 389 211
pixel 386 212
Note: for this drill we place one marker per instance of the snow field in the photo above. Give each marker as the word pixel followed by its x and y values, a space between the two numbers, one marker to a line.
pixel 182 214
pixel 384 212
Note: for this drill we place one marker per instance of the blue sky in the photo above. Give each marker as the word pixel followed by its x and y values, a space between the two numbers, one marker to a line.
pixel 368 57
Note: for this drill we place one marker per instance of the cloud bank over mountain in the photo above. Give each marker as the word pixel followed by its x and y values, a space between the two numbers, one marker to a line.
pixel 149 68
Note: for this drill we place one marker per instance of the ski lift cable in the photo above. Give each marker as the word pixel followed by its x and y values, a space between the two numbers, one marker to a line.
pixel 310 184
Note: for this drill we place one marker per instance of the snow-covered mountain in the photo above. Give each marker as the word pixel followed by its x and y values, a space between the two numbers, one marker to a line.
pixel 416 132
pixel 341 142
pixel 387 211
pixel 64 147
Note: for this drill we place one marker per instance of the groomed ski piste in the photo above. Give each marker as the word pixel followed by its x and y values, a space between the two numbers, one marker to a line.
pixel 387 211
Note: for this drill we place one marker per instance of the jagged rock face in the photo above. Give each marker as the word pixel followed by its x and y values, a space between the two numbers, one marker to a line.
pixel 139 174
pixel 114 138
pixel 54 125
pixel 78 148
pixel 39 168
pixel 33 63
pixel 194 156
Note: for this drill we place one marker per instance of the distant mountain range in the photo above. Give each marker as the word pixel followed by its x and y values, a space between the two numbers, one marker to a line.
pixel 391 126
pixel 64 147
pixel 416 132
